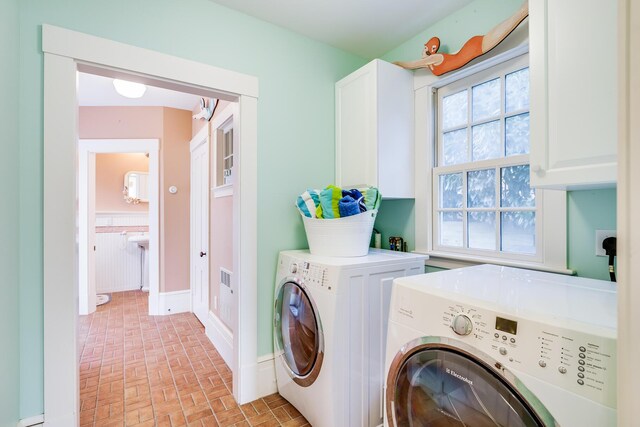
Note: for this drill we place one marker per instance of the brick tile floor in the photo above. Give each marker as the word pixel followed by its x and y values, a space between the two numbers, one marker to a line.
pixel 141 370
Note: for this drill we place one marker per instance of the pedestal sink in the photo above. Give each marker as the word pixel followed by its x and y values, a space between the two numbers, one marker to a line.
pixel 142 240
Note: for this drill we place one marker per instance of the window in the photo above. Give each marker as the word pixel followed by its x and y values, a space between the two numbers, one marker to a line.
pixel 224 150
pixel 481 207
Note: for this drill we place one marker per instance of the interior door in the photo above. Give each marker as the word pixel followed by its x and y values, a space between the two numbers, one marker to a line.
pixel 199 245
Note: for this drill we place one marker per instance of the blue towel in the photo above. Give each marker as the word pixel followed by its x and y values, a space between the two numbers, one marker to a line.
pixel 357 196
pixel 308 202
pixel 348 206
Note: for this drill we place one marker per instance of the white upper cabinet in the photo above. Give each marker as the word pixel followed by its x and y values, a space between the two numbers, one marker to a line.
pixel 374 129
pixel 573 65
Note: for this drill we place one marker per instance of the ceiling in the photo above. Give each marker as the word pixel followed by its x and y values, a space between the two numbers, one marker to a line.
pixel 367 28
pixel 94 91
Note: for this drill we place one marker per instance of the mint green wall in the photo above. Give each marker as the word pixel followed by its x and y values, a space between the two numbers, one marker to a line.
pixel 9 147
pixel 295 130
pixel 397 218
pixel 588 211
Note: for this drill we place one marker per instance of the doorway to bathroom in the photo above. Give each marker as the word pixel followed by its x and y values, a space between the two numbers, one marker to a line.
pixel 118 219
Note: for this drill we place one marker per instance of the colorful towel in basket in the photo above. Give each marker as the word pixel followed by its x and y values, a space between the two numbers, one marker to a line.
pixel 334 202
pixel 308 202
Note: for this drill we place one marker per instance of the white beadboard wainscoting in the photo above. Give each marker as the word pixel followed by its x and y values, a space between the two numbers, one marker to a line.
pixel 117 260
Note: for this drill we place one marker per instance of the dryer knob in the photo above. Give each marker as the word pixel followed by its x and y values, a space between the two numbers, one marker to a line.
pixel 293 268
pixel 462 325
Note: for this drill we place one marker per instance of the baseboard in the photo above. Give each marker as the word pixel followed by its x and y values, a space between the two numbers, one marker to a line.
pixel 31 421
pixel 221 338
pixel 174 302
pixel 266 375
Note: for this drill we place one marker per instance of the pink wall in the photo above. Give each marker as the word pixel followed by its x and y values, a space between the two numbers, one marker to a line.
pixel 110 171
pixel 173 128
pixel 174 224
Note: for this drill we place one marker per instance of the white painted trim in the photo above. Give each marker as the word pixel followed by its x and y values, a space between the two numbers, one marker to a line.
pixel 31 421
pixel 445 260
pixel 174 302
pixel 96 50
pixel 222 191
pixel 66 51
pixel 245 251
pixel 221 337
pixel 267 375
pixel 151 146
pixel 628 211
pixel 222 121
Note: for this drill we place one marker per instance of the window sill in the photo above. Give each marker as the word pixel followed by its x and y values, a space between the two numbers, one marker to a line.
pixel 450 261
pixel 223 191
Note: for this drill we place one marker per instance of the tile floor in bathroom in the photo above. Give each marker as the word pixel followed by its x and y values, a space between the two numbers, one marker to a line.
pixel 141 370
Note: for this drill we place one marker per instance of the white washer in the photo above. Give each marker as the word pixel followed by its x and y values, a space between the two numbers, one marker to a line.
pixel 489 345
pixel 330 323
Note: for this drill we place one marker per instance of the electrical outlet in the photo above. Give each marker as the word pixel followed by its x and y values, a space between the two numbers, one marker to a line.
pixel 600 236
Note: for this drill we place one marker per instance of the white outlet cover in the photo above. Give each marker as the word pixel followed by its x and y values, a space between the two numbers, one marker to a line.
pixel 600 236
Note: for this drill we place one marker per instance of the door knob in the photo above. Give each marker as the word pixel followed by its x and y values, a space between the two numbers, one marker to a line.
pixel 202 254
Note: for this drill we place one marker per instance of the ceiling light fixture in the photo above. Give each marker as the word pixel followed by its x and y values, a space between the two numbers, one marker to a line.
pixel 129 89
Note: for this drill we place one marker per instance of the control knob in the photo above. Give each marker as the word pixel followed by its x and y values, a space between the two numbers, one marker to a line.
pixel 462 325
pixel 293 268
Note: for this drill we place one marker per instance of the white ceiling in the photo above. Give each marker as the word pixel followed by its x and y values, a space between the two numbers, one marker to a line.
pixel 368 28
pixel 94 91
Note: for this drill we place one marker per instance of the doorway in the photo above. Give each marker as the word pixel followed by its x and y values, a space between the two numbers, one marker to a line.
pixel 87 150
pixel 65 53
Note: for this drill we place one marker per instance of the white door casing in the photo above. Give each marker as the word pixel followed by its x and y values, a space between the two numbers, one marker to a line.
pixel 199 228
pixel 86 230
pixel 66 51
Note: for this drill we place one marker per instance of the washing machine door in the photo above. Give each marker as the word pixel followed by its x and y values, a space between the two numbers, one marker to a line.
pixel 298 337
pixel 436 381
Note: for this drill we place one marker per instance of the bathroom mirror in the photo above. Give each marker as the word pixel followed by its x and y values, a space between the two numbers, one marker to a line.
pixel 136 187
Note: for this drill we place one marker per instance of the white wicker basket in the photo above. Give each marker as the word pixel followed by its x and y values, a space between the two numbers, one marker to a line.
pixel 340 237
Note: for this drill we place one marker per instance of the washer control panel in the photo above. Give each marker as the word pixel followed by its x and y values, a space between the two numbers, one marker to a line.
pixel 310 274
pixel 573 359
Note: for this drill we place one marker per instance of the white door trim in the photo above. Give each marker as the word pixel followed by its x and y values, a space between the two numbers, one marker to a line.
pixel 151 146
pixel 65 52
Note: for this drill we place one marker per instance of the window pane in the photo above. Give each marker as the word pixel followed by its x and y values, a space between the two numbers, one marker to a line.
pixel 519 232
pixel 482 230
pixel 454 110
pixel 451 228
pixel 481 188
pixel 516 192
pixel 451 190
pixel 517 90
pixel 486 100
pixel 454 145
pixel 516 131
pixel 486 141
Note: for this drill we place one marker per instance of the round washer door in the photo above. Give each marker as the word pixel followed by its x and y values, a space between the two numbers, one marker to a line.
pixel 298 333
pixel 439 384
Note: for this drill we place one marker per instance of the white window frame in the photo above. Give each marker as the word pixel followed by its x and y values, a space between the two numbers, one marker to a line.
pixel 224 122
pixel 550 204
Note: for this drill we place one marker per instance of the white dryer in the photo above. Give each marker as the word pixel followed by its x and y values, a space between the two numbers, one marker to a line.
pixel 498 346
pixel 330 323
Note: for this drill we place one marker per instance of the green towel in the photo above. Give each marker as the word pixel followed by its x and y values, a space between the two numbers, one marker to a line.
pixel 372 197
pixel 329 199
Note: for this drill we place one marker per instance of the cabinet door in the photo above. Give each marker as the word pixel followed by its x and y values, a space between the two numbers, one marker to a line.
pixel 356 131
pixel 573 93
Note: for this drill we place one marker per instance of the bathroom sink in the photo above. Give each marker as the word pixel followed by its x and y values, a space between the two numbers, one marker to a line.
pixel 141 240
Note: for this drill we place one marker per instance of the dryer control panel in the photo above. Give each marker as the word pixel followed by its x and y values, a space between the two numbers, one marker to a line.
pixel 574 357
